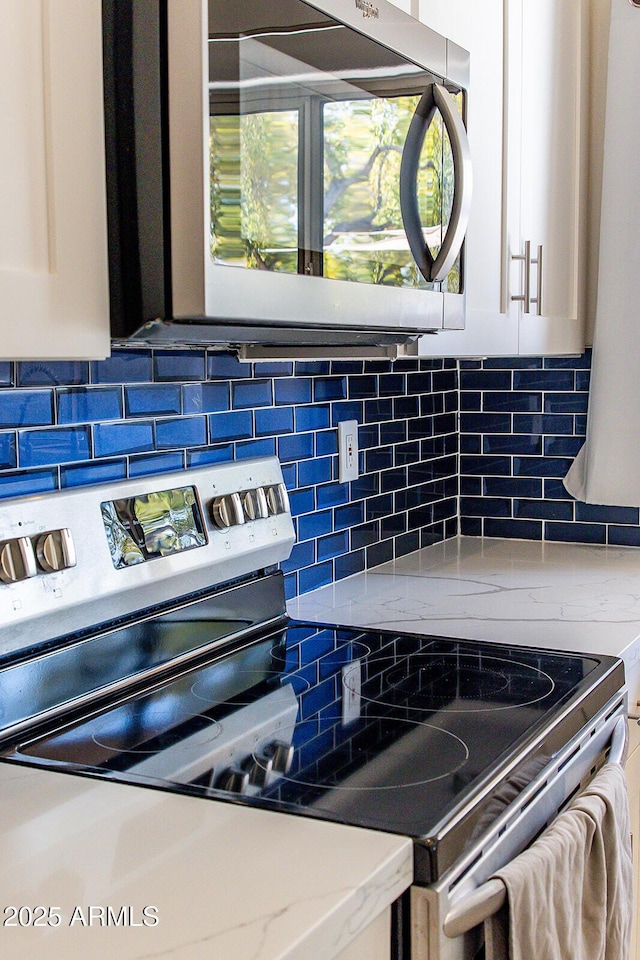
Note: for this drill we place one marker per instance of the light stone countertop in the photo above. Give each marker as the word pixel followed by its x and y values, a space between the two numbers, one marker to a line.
pixel 227 882
pixel 577 597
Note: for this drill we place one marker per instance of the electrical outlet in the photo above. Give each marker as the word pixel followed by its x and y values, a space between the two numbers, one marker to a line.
pixel 347 450
pixel 351 692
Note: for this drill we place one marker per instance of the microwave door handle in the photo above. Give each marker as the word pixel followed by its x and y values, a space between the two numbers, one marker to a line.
pixel 436 97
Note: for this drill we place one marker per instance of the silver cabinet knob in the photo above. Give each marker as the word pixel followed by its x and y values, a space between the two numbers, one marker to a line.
pixel 255 504
pixel 278 499
pixel 56 551
pixel 17 560
pixel 234 779
pixel 226 511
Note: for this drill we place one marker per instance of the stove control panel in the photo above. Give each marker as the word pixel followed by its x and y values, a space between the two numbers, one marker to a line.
pixel 75 558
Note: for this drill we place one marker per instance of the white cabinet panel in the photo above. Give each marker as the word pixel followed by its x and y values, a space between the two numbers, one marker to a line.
pixel 527 122
pixel 53 238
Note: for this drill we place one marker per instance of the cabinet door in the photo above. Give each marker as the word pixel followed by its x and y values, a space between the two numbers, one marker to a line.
pixel 527 130
pixel 547 84
pixel 54 299
pixel 491 324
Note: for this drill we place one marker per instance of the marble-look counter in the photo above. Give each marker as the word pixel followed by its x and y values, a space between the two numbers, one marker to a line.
pixel 187 878
pixel 576 597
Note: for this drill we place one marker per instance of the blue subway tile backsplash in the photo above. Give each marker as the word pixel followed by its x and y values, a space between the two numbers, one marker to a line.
pixel 479 447
pixel 520 493
pixel 144 412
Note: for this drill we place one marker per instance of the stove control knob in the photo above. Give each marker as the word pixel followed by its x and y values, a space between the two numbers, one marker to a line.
pixel 259 766
pixel 255 504
pixel 278 499
pixel 226 511
pixel 281 754
pixel 233 779
pixel 17 560
pixel 56 551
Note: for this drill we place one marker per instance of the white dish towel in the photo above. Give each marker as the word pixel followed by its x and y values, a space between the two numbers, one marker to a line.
pixel 569 895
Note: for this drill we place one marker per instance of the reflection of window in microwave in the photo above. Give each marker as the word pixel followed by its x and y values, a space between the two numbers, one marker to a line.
pixel 305 172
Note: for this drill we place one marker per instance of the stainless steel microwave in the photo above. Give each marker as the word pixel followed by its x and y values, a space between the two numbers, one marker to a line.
pixel 285 177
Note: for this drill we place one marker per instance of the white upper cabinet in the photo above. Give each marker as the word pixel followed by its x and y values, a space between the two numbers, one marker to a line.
pixel 54 298
pixel 527 130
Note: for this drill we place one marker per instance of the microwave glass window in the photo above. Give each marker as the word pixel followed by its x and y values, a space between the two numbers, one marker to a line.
pixel 308 121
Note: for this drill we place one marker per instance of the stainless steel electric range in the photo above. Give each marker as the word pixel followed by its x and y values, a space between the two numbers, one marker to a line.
pixel 145 640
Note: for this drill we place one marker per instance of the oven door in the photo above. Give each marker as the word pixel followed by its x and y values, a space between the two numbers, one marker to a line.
pixel 446 918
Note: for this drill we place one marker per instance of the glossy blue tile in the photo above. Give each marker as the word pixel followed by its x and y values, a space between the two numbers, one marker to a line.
pixel 95 472
pixel 315 417
pixel 591 513
pixel 485 507
pixel 86 404
pixel 296 447
pixel 382 409
pixel 349 564
pixel 365 534
pixel 318 470
pixel 380 459
pixel 52 373
pixel 420 382
pixel 255 448
pixel 445 380
pixel 332 494
pixel 485 423
pixel 58 445
pixel 273 421
pixel 362 387
pixel 333 545
pixel 312 368
pixel 393 431
pixel 26 408
pixel 145 466
pixel 562 446
pixel 407 543
pixel 556 380
pixel 290 475
pixel 543 509
pixel 524 444
pixel 346 410
pixel 275 368
pixel 334 388
pixel 392 384
pixel 230 426
pixel 576 532
pixel 124 366
pixel 379 553
pixel 296 390
pixel 485 379
pixel 181 432
pixel 573 363
pixel 315 525
pixel 406 407
pixel 513 363
pixel 406 453
pixel 378 366
pixel 471 526
pixel 352 367
pixel 179 365
pixel 348 516
pixel 624 536
pixel 302 555
pixel 419 428
pixel 554 490
pixel 583 379
pixel 565 402
pixel 226 366
pixel 470 401
pixel 383 505
pixel 523 487
pixel 221 453
pixel 302 501
pixel 110 439
pixel 471 443
pixel 540 466
pixel 205 397
pixel 500 466
pixel 518 529
pixel 523 402
pixel 247 394
pixel 23 483
pixel 6 373
pixel 550 423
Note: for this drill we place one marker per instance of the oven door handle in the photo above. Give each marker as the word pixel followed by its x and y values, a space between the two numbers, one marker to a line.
pixel 490 896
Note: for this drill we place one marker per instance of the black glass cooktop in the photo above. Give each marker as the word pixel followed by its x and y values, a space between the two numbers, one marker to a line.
pixel 388 731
